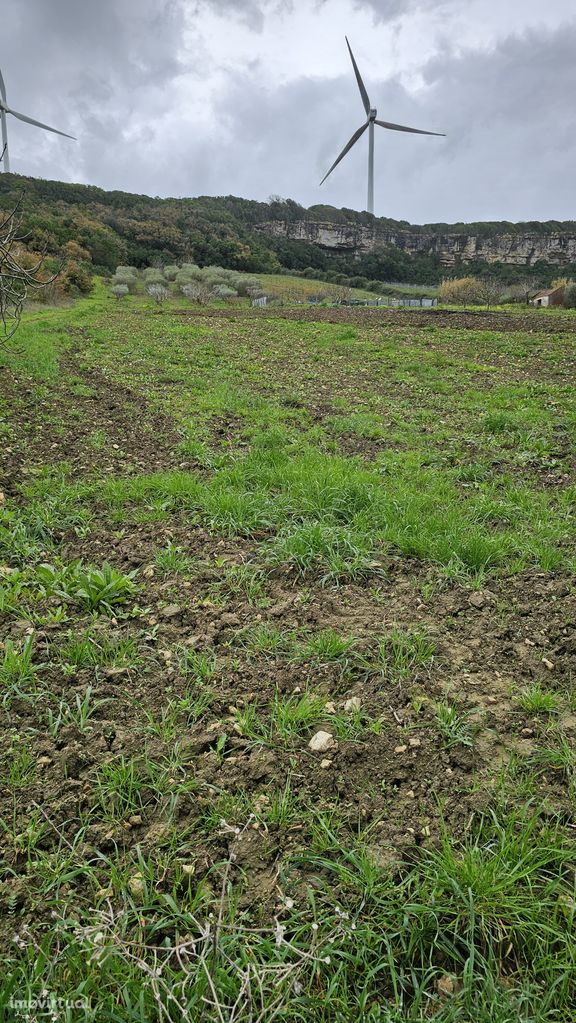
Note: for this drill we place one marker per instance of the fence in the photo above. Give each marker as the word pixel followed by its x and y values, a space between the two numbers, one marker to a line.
pixel 394 303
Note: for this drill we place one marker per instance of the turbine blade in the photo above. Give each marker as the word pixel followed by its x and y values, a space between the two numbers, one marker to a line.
pixel 361 85
pixel 346 149
pixel 2 88
pixel 414 131
pixel 38 124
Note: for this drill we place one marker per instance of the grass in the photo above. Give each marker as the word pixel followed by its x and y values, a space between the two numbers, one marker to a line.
pixel 174 850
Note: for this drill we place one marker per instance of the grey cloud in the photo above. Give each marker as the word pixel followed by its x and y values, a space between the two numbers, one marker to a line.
pixel 392 10
pixel 118 78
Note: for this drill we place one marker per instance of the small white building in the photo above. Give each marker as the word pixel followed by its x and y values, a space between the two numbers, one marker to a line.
pixel 551 297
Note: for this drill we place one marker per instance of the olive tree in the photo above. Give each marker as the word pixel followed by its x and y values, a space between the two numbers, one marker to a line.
pixel 195 292
pixel 120 290
pixel 159 292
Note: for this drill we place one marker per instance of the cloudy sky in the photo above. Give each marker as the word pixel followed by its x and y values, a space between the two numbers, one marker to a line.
pixel 257 97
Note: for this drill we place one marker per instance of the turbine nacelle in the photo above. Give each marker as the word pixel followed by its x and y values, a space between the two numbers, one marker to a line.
pixel 371 120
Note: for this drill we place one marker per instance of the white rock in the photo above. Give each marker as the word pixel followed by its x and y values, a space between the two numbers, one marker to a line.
pixel 321 742
pixel 353 704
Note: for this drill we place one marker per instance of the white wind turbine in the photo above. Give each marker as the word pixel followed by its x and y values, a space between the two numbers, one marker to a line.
pixel 5 109
pixel 371 120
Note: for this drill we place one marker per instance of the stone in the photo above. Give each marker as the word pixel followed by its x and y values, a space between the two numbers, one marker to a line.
pixel 136 885
pixel 170 611
pixel 325 764
pixel 447 986
pixel 353 705
pixel 321 742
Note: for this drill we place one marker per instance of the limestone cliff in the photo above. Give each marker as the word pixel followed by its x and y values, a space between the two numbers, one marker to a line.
pixel 521 249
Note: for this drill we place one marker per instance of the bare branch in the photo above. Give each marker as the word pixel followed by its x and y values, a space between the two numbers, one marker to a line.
pixel 16 280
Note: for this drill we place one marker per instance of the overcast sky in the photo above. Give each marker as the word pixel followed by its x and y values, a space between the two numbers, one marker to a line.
pixel 257 97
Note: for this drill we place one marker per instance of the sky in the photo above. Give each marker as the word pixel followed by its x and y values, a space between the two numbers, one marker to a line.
pixel 256 98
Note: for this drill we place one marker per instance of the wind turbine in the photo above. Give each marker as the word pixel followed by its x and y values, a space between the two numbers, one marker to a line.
pixel 5 109
pixel 371 120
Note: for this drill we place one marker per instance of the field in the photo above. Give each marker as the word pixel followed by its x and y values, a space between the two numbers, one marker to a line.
pixel 287 679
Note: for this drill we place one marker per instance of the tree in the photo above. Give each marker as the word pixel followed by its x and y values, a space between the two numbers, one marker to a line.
pixel 570 295
pixel 120 290
pixel 490 291
pixel 17 279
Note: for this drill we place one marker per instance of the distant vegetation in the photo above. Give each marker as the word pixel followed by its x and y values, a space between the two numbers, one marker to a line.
pixel 94 231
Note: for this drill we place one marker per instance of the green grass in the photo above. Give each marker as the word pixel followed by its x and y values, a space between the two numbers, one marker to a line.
pixel 174 850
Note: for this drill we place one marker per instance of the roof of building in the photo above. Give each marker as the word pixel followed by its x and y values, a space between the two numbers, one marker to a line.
pixel 549 291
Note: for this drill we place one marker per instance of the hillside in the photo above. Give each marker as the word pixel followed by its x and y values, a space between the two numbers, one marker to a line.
pixel 119 227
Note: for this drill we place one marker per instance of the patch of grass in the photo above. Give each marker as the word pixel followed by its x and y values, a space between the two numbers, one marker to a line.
pixel 535 699
pixel 399 654
pixel 336 553
pixel 327 645
pixel 77 712
pixel 20 766
pixel 17 672
pixel 268 639
pixel 196 666
pixel 172 559
pixel 95 648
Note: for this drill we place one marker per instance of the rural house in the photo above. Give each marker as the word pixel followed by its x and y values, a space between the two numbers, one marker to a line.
pixel 553 296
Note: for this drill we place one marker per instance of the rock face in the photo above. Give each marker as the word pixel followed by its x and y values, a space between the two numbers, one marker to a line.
pixel 522 249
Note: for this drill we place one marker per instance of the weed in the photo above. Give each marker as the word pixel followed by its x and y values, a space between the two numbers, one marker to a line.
pixel 95 589
pixel 452 725
pixel 77 713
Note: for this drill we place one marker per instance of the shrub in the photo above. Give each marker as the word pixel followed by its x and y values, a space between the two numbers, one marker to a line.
pixel 570 295
pixel 75 280
pixel 184 277
pixel 247 286
pixel 159 292
pixel 195 292
pixel 462 291
pixel 170 272
pixel 125 280
pixel 120 290
pixel 153 276
pixel 224 292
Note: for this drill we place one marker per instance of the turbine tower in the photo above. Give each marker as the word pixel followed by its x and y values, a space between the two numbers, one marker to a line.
pixel 5 109
pixel 371 120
